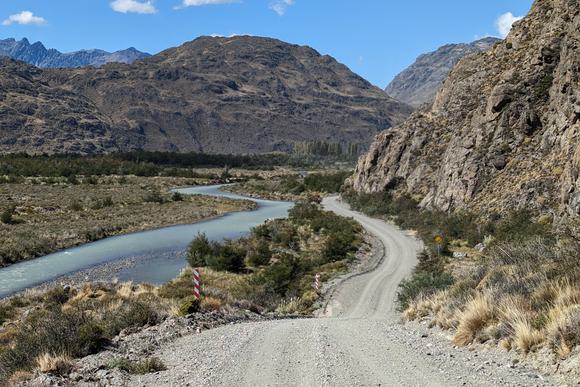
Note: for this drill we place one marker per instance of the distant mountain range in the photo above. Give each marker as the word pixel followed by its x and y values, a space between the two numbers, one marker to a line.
pixel 38 55
pixel 418 83
pixel 216 95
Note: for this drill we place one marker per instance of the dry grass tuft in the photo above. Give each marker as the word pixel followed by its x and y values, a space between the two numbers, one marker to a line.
pixel 474 318
pixel 20 377
pixel 211 304
pixel 526 338
pixel 54 364
pixel 563 329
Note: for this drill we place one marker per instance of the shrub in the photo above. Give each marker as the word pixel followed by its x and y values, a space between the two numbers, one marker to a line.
pixel 259 254
pixel 189 305
pixel 54 364
pixel 153 197
pixel 199 250
pixel 141 367
pixel 56 295
pixel 7 216
pixel 422 284
pixel 131 314
pixel 282 274
pixel 337 247
pixel 211 303
pixel 177 197
pixel 76 206
pixel 227 257
pixel 48 331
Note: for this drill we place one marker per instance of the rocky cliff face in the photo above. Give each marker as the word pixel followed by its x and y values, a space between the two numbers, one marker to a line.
pixel 418 84
pixel 38 55
pixel 504 130
pixel 234 95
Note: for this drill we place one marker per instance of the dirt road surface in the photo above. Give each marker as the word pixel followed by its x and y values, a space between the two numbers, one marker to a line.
pixel 356 341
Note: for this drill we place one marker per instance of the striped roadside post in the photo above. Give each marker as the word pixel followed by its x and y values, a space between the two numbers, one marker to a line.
pixel 316 284
pixel 196 284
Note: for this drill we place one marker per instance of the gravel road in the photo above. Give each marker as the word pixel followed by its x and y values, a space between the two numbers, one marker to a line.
pixel 356 341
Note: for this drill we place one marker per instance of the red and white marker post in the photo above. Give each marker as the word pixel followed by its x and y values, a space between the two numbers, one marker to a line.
pixel 196 284
pixel 316 284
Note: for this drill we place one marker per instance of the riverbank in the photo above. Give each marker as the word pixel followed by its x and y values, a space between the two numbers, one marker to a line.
pixel 47 215
pixel 267 274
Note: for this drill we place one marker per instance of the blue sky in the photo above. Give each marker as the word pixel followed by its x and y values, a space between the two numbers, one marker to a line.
pixel 375 38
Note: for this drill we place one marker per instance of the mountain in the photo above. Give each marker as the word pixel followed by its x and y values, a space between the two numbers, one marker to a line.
pixel 36 116
pixel 218 95
pixel 38 55
pixel 503 132
pixel 418 83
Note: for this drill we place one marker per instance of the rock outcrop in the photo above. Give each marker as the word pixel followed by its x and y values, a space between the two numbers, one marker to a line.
pixel 418 83
pixel 38 55
pixel 217 95
pixel 504 130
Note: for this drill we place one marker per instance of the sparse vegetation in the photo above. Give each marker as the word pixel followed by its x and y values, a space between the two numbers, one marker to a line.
pixel 72 323
pixel 142 367
pixel 294 186
pixel 276 262
pixel 270 270
pixel 42 215
pixel 522 291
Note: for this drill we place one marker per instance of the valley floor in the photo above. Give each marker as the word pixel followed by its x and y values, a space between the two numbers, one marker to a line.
pixel 50 214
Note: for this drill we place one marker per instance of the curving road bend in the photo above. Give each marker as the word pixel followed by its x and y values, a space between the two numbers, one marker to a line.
pixel 356 342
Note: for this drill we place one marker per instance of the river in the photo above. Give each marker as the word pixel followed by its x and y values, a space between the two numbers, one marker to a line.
pixel 158 254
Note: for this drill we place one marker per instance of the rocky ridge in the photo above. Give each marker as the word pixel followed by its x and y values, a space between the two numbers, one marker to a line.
pixel 214 95
pixel 418 84
pixel 38 55
pixel 503 132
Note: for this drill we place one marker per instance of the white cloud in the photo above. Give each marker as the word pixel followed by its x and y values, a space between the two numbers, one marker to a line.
pixel 504 23
pixel 133 6
pixel 197 3
pixel 24 17
pixel 279 6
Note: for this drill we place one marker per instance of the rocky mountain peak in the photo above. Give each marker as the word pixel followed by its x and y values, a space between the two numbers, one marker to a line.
pixel 418 84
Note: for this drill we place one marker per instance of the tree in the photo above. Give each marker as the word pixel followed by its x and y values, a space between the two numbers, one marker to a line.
pixel 199 250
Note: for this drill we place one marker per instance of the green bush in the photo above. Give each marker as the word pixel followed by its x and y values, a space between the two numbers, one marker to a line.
pixel 153 197
pixel 326 182
pixel 422 283
pixel 132 314
pixel 7 216
pixel 260 254
pixel 189 305
pixel 199 251
pixel 227 257
pixel 283 274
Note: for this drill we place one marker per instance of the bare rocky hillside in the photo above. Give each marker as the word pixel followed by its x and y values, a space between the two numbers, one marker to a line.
pixel 418 84
pixel 216 95
pixel 504 130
